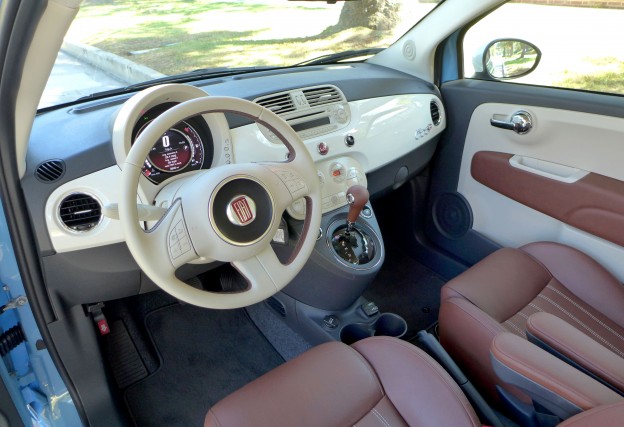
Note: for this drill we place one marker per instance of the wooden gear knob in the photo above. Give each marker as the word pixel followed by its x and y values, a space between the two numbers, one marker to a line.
pixel 357 197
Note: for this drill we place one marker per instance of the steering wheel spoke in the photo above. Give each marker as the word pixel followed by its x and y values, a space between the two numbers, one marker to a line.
pixel 168 241
pixel 293 180
pixel 265 273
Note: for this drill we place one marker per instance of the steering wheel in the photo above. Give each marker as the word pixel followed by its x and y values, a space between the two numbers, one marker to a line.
pixel 229 213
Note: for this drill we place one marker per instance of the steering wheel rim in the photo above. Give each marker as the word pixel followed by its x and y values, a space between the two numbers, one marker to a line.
pixel 196 233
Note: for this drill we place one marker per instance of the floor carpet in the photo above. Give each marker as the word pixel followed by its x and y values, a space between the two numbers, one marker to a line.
pixel 204 356
pixel 407 288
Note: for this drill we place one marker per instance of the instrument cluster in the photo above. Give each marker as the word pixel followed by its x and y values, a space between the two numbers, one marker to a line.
pixel 185 147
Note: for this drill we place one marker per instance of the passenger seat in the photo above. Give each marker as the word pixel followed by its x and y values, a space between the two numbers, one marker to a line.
pixel 502 293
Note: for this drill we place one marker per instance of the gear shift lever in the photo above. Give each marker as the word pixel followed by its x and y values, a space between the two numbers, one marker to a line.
pixel 357 197
pixel 352 243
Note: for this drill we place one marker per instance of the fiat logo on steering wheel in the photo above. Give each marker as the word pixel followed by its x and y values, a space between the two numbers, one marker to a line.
pixel 241 210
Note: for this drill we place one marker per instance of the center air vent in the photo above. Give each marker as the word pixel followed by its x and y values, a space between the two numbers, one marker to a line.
pixel 435 113
pixel 80 212
pixel 279 104
pixel 322 95
pixel 311 111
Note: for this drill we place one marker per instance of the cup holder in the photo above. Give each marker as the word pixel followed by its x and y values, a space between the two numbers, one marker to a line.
pixel 355 331
pixel 391 325
pixel 387 324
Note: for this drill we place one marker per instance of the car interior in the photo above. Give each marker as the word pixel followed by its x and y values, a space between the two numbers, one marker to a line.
pixel 370 239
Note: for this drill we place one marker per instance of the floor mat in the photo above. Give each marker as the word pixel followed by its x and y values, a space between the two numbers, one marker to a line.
pixel 288 343
pixel 407 288
pixel 205 355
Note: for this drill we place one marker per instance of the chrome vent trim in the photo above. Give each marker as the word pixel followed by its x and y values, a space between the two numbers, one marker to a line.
pixel 50 171
pixel 279 104
pixel 313 111
pixel 80 212
pixel 322 95
pixel 436 118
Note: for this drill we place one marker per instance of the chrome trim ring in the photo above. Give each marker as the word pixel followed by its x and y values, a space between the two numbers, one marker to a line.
pixel 71 230
pixel 377 258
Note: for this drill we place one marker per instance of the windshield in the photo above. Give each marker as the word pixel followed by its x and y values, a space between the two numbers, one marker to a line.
pixel 112 44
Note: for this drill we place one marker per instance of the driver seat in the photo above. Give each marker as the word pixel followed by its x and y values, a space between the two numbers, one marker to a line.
pixel 379 381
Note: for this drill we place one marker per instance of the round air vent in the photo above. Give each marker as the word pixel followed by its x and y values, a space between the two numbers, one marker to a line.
pixel 80 212
pixel 50 171
pixel 435 113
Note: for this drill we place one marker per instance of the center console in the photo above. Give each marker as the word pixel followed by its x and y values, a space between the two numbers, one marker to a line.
pixel 324 302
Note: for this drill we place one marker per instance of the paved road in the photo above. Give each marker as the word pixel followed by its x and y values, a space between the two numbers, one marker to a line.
pixel 72 79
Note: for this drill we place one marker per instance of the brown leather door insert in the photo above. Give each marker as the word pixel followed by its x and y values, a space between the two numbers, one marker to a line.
pixel 594 204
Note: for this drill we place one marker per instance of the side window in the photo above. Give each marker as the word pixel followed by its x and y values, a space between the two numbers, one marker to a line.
pixel 580 42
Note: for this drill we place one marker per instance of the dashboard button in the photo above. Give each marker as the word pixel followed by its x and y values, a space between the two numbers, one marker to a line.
pixel 321 177
pixel 180 229
pixel 173 238
pixel 337 171
pixel 185 245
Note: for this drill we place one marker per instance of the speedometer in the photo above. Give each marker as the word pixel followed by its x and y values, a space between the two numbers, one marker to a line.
pixel 180 149
pixel 172 152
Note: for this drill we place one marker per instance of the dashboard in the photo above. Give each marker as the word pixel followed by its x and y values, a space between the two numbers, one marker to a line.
pixel 362 124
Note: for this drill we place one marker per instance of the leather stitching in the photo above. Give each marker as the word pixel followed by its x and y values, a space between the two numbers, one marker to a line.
pixel 452 385
pixel 514 326
pixel 514 364
pixel 583 325
pixel 214 417
pixel 370 370
pixel 576 355
pixel 584 310
pixel 381 418
pixel 488 327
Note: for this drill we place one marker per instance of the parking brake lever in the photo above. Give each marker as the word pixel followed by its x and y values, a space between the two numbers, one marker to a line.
pixel 357 197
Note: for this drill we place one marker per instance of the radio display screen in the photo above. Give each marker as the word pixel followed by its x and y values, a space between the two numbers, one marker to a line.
pixel 311 124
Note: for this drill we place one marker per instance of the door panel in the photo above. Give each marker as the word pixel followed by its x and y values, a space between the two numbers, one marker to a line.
pixel 512 205
pixel 586 141
pixel 593 203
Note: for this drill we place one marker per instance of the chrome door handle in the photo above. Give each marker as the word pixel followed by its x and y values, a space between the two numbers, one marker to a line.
pixel 521 122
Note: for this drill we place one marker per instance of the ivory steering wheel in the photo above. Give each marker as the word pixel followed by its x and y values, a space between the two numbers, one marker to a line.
pixel 229 213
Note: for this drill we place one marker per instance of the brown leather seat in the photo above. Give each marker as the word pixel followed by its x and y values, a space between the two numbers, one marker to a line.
pixel 502 291
pixel 378 381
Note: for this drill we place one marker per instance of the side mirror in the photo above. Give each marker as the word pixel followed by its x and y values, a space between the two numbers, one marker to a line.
pixel 505 59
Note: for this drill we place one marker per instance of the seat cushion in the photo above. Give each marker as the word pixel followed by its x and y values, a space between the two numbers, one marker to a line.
pixel 379 381
pixel 500 293
pixel 603 416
